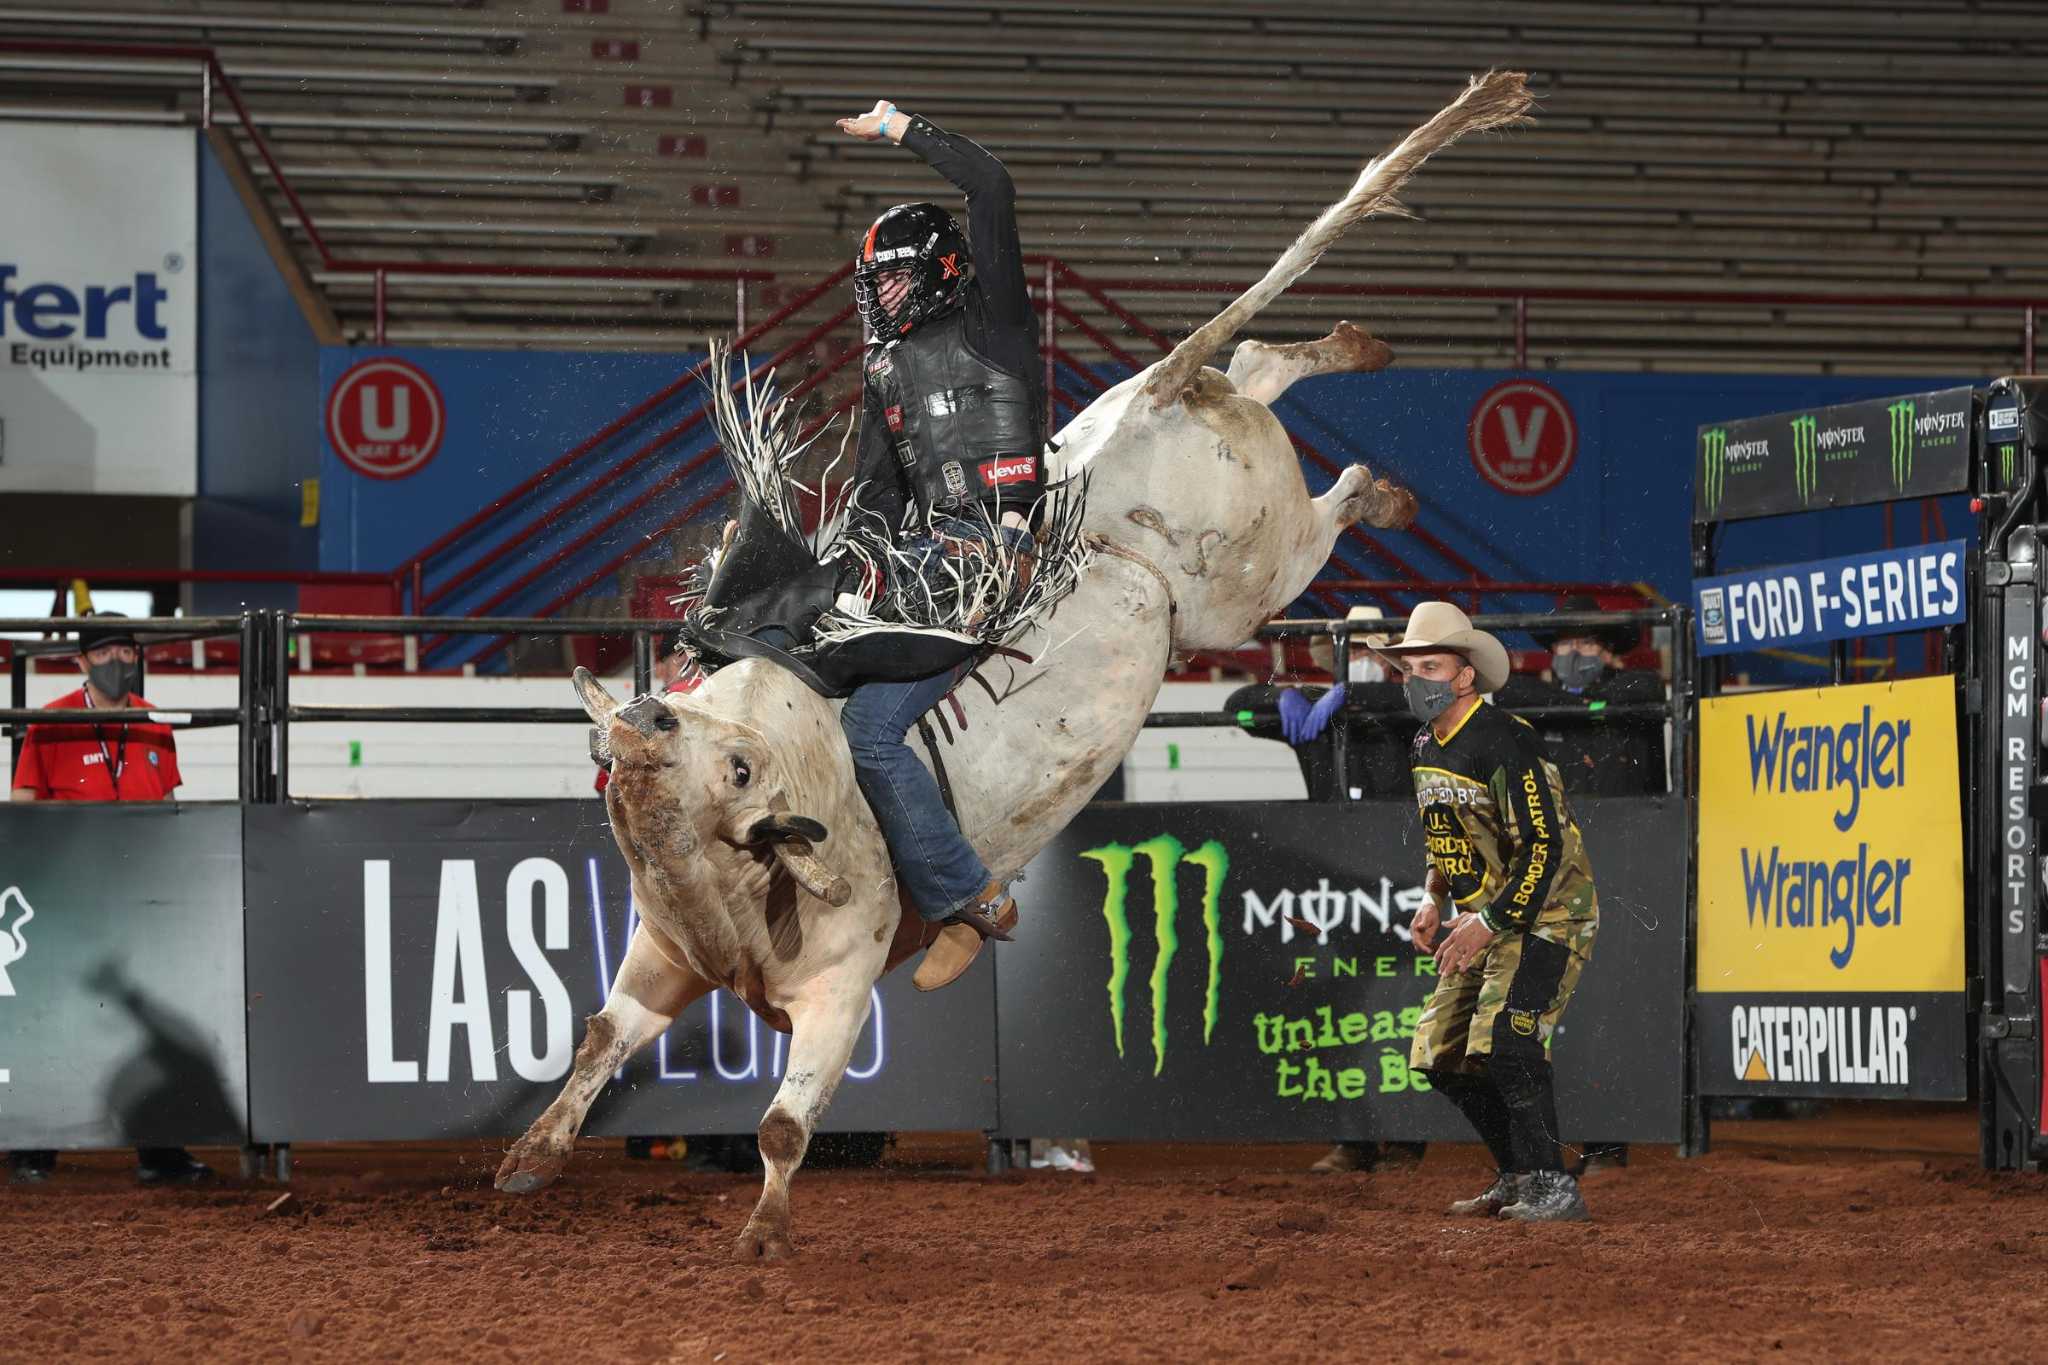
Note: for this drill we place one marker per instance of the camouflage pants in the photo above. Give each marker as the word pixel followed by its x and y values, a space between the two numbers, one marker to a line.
pixel 1509 1000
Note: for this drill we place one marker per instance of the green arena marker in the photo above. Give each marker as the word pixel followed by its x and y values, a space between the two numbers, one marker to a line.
pixel 1173 756
pixel 1596 706
pixel 1244 718
pixel 355 753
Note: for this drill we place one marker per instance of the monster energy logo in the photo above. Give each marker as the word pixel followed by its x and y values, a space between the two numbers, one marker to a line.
pixel 1163 856
pixel 1902 441
pixel 1714 465
pixel 2006 456
pixel 1805 456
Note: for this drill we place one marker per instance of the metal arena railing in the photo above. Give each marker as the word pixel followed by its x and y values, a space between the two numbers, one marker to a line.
pixel 271 640
pixel 1675 710
pixel 263 713
pixel 246 714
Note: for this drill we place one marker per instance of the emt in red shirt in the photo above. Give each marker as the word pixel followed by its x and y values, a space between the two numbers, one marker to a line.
pixel 128 761
pixel 118 761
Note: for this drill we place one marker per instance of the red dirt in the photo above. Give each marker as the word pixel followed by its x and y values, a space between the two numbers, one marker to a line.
pixel 1867 1234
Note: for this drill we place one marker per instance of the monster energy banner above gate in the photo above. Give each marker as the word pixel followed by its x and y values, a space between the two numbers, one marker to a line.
pixel 1878 450
pixel 1244 972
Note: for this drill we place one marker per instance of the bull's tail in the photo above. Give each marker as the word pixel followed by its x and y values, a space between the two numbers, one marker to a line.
pixel 1495 100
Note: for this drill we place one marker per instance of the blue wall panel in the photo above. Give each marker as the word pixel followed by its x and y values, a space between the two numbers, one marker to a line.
pixel 509 414
pixel 1621 513
pixel 259 387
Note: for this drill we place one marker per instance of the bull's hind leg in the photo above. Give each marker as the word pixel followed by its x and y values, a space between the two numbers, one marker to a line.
pixel 824 1023
pixel 1265 372
pixel 652 988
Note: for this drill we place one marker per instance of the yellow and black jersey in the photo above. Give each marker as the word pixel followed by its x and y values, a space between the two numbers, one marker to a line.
pixel 1496 824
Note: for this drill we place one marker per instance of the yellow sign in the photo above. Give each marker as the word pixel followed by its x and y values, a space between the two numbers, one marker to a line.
pixel 309 503
pixel 1831 846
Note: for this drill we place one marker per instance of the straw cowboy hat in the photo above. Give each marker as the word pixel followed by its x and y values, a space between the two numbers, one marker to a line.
pixel 1320 651
pixel 1439 627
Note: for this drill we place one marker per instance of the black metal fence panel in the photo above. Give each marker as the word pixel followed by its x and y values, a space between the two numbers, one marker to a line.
pixel 121 1014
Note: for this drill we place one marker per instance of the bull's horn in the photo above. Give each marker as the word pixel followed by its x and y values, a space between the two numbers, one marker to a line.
pixel 596 701
pixel 812 874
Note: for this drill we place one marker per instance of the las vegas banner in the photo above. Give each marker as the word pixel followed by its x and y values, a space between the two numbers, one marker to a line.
pixel 1830 957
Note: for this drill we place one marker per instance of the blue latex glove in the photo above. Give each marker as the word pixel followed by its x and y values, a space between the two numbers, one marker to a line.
pixel 1294 709
pixel 1300 722
pixel 1319 716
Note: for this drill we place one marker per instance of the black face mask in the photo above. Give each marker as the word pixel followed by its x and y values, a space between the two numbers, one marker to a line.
pixel 1428 698
pixel 1577 672
pixel 116 678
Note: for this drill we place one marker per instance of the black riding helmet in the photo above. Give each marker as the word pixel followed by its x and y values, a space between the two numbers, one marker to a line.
pixel 924 239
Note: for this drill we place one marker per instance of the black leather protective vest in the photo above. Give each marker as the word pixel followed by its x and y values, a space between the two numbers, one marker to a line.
pixel 964 430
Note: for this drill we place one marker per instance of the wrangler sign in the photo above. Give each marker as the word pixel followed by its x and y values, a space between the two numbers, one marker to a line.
pixel 1831 892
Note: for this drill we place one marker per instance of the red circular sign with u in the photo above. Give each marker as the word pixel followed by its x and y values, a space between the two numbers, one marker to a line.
pixel 385 418
pixel 1522 437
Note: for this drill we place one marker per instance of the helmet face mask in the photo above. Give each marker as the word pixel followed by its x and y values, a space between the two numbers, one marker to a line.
pixel 921 246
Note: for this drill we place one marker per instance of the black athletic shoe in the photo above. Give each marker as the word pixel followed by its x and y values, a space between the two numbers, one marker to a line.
pixel 1548 1197
pixel 176 1167
pixel 1505 1190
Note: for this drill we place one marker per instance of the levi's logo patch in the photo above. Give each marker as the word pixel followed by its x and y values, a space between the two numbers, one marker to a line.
pixel 1013 469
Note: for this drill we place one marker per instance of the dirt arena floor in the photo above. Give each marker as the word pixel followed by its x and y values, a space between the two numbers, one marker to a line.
pixel 1869 1234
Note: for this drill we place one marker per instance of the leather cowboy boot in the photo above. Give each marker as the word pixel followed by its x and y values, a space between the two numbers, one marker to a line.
pixel 958 940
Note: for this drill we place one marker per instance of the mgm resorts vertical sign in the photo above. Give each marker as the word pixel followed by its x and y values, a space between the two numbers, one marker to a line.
pixel 1877 450
pixel 1830 957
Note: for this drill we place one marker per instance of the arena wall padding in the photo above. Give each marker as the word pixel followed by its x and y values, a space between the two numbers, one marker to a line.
pixel 1311 904
pixel 121 1019
pixel 364 915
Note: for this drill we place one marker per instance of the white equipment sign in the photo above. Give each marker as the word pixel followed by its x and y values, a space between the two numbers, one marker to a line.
pixel 99 311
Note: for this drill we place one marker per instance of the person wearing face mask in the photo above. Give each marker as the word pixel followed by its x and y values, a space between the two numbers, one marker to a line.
pixel 1366 702
pixel 1604 755
pixel 120 761
pixel 1503 851
pixel 124 761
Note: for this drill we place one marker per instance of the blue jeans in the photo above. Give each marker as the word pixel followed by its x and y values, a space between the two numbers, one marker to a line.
pixel 934 861
pixel 936 864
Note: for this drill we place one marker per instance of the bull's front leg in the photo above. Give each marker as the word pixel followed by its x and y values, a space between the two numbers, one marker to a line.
pixel 824 1024
pixel 652 988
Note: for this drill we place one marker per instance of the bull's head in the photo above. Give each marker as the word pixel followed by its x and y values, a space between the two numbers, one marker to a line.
pixel 688 776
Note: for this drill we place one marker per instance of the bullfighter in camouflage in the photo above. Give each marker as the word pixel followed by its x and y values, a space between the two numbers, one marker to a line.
pixel 1503 849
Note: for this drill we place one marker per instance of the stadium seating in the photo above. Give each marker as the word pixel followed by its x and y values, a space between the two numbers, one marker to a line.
pixel 1808 149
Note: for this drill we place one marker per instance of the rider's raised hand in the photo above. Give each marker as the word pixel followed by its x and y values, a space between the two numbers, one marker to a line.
pixel 884 120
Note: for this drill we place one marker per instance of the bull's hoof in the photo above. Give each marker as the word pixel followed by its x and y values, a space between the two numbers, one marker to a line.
pixel 761 1242
pixel 531 1166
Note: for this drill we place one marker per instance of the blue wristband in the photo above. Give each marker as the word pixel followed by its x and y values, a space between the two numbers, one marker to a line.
pixel 887 110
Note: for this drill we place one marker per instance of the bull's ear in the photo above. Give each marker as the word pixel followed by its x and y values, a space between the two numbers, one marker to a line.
pixel 597 702
pixel 782 827
pixel 791 836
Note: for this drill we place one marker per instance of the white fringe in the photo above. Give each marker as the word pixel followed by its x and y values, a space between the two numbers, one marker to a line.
pixel 973 591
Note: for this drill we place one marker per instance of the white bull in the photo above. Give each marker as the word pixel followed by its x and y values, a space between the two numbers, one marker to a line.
pixel 756 863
